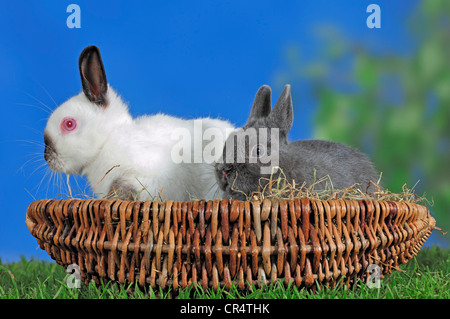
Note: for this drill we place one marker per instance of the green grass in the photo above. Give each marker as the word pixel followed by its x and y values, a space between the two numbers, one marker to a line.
pixel 426 276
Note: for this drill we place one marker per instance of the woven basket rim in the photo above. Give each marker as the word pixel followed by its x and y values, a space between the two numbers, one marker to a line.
pixel 304 240
pixel 30 224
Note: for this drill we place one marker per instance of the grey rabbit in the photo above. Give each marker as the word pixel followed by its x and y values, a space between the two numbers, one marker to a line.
pixel 249 154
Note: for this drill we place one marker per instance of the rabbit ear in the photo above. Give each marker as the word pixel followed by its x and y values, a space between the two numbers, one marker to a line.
pixel 262 104
pixel 282 115
pixel 93 77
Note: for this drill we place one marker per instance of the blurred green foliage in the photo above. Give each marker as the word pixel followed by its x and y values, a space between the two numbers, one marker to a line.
pixel 394 107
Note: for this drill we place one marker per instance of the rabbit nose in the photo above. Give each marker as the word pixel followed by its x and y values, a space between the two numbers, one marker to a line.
pixel 226 170
pixel 48 146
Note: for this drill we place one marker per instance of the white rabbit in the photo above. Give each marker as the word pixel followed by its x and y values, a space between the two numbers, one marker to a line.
pixel 93 134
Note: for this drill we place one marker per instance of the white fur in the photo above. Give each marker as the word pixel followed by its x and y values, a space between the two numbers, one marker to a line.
pixel 106 137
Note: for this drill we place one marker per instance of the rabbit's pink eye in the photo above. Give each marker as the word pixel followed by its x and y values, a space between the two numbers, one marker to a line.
pixel 68 124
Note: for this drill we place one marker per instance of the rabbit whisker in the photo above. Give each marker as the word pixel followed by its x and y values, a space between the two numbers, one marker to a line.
pixel 46 110
pixel 48 94
pixel 40 102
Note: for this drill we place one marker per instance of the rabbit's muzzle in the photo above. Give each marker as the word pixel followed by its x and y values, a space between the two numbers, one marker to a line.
pixel 50 154
pixel 49 148
pixel 226 169
pixel 222 174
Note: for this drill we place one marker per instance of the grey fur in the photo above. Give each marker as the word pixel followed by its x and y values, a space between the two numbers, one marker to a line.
pixel 122 190
pixel 303 161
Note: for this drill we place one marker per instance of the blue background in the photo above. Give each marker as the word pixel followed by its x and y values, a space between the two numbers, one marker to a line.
pixel 185 58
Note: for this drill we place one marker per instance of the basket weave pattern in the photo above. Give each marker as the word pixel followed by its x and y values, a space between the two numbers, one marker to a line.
pixel 228 242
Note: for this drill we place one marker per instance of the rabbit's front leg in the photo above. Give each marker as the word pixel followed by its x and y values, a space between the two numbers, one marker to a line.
pixel 123 189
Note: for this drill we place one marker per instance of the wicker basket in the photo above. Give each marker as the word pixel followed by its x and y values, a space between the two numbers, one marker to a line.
pixel 228 242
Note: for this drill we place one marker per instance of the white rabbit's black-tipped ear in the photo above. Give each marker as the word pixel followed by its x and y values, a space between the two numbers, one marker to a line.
pixel 262 104
pixel 93 77
pixel 282 115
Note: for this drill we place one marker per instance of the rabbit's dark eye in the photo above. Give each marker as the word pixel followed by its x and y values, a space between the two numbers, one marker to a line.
pixel 258 151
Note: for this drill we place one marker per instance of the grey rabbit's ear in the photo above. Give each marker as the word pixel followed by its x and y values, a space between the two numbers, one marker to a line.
pixel 262 104
pixel 282 115
pixel 93 77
